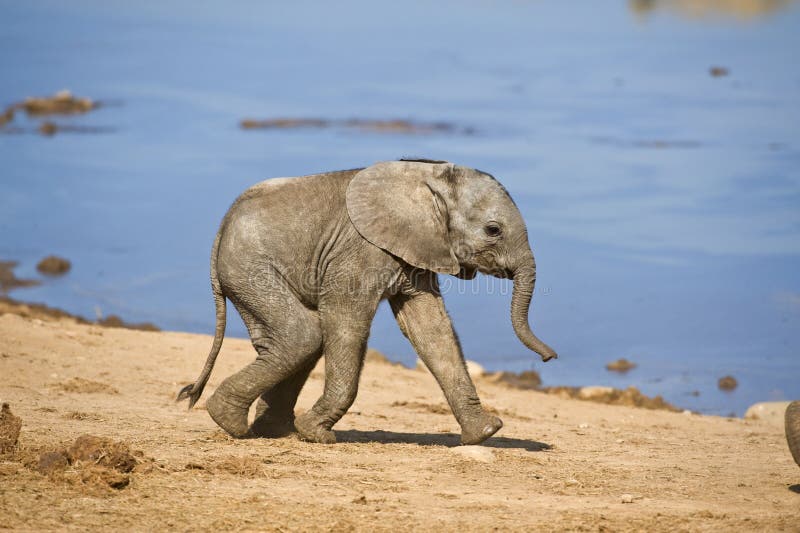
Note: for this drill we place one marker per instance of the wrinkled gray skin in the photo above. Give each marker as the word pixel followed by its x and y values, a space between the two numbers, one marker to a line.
pixel 307 260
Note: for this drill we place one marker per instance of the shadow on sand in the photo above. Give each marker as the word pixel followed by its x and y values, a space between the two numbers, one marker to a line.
pixel 795 488
pixel 435 439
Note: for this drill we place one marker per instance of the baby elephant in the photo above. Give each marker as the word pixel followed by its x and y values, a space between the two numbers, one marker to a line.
pixel 307 260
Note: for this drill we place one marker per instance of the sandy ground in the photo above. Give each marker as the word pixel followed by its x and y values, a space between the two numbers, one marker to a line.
pixel 557 464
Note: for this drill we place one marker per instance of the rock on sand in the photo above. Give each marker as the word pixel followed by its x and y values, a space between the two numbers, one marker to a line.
pixel 771 412
pixel 481 454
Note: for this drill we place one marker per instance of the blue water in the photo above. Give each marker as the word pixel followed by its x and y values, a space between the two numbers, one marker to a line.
pixel 663 203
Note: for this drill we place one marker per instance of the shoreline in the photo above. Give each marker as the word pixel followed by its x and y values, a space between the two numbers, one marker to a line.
pixel 525 380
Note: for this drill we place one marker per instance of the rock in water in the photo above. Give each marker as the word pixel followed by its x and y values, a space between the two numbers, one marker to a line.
pixel 9 429
pixel 53 265
pixel 727 383
pixel 718 72
pixel 620 365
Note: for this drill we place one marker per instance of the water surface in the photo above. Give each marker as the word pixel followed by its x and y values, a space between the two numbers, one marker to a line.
pixel 662 202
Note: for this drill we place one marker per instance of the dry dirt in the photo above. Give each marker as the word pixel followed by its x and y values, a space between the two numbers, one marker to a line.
pixel 557 464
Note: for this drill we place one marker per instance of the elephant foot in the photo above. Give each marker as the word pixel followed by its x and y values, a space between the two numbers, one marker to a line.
pixel 310 429
pixel 478 429
pixel 271 424
pixel 229 416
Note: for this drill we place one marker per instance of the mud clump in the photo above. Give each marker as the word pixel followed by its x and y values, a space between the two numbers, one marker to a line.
pixel 248 467
pixel 9 281
pixel 96 463
pixel 52 265
pixel 727 383
pixel 10 427
pixel 621 365
pixel 82 385
pixel 525 380
pixel 631 397
pixel 52 462
pixel 100 477
pixel 103 452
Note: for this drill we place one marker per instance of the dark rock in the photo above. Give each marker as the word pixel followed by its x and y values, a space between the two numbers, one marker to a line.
pixel 53 265
pixel 727 383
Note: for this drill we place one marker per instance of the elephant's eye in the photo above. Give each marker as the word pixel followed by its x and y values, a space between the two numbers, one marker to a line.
pixel 492 230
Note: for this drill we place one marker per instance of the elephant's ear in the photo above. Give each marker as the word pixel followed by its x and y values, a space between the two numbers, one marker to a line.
pixel 395 206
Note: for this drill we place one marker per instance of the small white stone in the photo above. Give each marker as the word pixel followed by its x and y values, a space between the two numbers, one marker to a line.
pixel 686 412
pixel 481 454
pixel 620 441
pixel 475 370
pixel 771 412
pixel 594 391
pixel 583 425
pixel 626 498
pixel 572 482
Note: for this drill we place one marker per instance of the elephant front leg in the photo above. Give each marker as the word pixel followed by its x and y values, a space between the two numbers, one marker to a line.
pixel 422 317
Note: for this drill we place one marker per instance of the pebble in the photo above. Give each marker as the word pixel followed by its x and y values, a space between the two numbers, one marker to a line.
pixel 594 391
pixel 481 454
pixel 627 498
pixel 583 425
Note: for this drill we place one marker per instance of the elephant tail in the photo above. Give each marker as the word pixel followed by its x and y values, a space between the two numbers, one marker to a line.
pixel 195 390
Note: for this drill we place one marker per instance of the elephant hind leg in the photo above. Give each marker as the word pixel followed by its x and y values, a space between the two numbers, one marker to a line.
pixel 287 337
pixel 275 408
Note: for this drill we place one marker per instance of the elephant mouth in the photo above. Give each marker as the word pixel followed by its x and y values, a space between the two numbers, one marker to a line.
pixel 466 272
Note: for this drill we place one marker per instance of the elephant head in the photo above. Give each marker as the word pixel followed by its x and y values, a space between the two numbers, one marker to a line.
pixel 448 219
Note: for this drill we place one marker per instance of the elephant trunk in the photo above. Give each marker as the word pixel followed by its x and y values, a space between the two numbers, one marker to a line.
pixel 524 276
